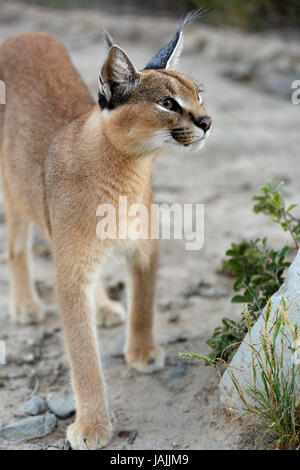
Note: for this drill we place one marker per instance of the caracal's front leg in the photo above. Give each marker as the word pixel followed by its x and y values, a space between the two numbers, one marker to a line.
pixel 92 428
pixel 141 351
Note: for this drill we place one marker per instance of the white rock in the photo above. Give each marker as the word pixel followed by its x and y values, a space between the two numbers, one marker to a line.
pixel 35 406
pixel 241 361
pixel 61 407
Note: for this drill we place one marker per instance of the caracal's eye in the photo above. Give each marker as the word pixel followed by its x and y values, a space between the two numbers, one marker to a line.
pixel 167 103
pixel 200 99
pixel 170 104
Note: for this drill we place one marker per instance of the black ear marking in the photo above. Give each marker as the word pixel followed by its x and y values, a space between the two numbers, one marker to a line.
pixel 169 53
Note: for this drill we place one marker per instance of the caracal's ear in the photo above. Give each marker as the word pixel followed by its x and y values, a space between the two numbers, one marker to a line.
pixel 168 56
pixel 118 76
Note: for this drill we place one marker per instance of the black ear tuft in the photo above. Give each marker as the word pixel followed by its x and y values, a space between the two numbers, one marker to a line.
pixel 168 55
pixel 108 39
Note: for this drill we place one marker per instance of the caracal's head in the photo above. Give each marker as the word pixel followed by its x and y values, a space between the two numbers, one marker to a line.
pixel 154 108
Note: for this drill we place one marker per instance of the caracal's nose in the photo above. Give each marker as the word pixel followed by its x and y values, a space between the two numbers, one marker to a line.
pixel 204 122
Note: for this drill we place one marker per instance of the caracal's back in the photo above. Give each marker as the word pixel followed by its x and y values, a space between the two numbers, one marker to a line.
pixel 43 92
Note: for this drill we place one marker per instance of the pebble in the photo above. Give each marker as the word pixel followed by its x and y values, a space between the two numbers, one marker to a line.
pixel 238 438
pixel 176 303
pixel 35 406
pixel 203 289
pixel 28 358
pixel 61 407
pixel 176 371
pixel 132 437
pixel 173 318
pixel 177 339
pixel 29 428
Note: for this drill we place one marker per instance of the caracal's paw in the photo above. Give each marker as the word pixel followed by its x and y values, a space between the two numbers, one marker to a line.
pixel 112 314
pixel 146 360
pixel 89 436
pixel 28 312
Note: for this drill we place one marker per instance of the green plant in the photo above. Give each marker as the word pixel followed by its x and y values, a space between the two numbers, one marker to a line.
pixel 272 204
pixel 271 396
pixel 258 272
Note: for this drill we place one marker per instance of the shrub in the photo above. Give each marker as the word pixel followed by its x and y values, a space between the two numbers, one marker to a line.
pixel 257 270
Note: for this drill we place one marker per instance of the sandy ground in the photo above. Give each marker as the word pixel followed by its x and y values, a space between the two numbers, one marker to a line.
pixel 255 136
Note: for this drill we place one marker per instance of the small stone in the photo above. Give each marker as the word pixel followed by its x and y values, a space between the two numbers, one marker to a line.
pixel 206 290
pixel 35 406
pixel 177 339
pixel 177 371
pixel 132 437
pixel 61 407
pixel 176 303
pixel 29 428
pixel 28 358
pixel 31 447
pixel 52 448
pixel 214 293
pixel 238 438
pixel 174 318
pixel 165 306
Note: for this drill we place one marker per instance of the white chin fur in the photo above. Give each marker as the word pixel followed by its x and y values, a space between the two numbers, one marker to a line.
pixel 196 146
pixel 163 140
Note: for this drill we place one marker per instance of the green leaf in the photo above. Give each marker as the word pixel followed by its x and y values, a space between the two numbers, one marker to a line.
pixel 238 299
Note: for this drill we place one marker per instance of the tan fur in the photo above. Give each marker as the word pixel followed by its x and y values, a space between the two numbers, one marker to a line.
pixel 60 158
